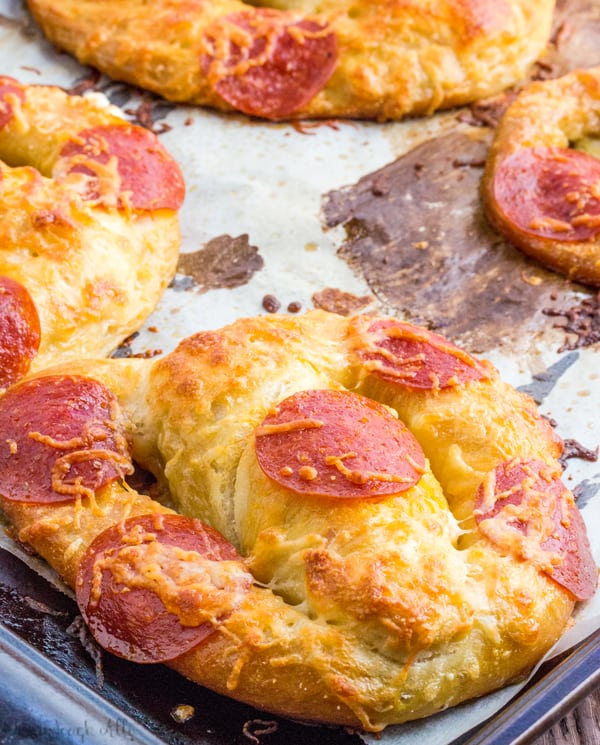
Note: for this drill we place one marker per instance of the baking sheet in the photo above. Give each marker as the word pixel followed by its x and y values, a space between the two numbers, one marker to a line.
pixel 255 223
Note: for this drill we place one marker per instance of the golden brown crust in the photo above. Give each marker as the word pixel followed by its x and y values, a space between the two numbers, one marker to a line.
pixel 556 114
pixel 394 58
pixel 365 612
pixel 95 268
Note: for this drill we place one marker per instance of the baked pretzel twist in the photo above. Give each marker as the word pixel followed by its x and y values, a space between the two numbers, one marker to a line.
pixel 89 232
pixel 393 533
pixel 541 184
pixel 301 59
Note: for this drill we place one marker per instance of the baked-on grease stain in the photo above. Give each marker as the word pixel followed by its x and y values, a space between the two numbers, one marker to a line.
pixel 416 232
pixel 223 262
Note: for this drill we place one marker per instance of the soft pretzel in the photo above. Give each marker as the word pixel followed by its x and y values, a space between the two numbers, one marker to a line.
pixel 89 233
pixel 394 536
pixel 541 189
pixel 299 58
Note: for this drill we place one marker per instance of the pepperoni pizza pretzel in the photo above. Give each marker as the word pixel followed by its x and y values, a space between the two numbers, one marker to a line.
pixel 371 526
pixel 541 189
pixel 300 58
pixel 89 233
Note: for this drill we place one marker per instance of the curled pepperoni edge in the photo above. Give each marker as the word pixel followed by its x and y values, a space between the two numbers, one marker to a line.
pixel 20 331
pixel 335 437
pixel 150 179
pixel 448 366
pixel 277 88
pixel 38 419
pixel 120 621
pixel 577 572
pixel 520 173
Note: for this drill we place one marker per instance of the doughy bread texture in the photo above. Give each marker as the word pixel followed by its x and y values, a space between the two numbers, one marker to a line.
pixel 89 230
pixel 290 59
pixel 540 187
pixel 394 535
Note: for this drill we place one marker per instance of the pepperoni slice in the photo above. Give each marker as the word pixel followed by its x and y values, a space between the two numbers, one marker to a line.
pixel 19 331
pixel 550 193
pixel 272 64
pixel 524 508
pixel 59 440
pixel 9 89
pixel 155 586
pixel 413 357
pixel 332 443
pixel 128 160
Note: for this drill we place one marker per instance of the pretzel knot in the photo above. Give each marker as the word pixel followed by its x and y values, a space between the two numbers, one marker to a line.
pixel 346 545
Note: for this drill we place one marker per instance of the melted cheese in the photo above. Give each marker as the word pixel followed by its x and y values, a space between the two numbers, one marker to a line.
pixel 224 35
pixel 550 223
pixel 291 426
pixel 536 510
pixel 195 589
pixel 104 184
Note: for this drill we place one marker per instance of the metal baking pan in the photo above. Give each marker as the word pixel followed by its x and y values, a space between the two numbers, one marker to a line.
pixel 556 689
pixel 53 690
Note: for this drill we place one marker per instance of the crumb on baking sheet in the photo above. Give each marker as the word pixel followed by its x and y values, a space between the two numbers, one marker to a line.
pixel 574 449
pixel 335 300
pixel 182 713
pixel 87 83
pixel 271 304
pixel 145 115
pixel 254 728
pixel 124 349
pixel 487 112
pixel 581 321
pixel 304 128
